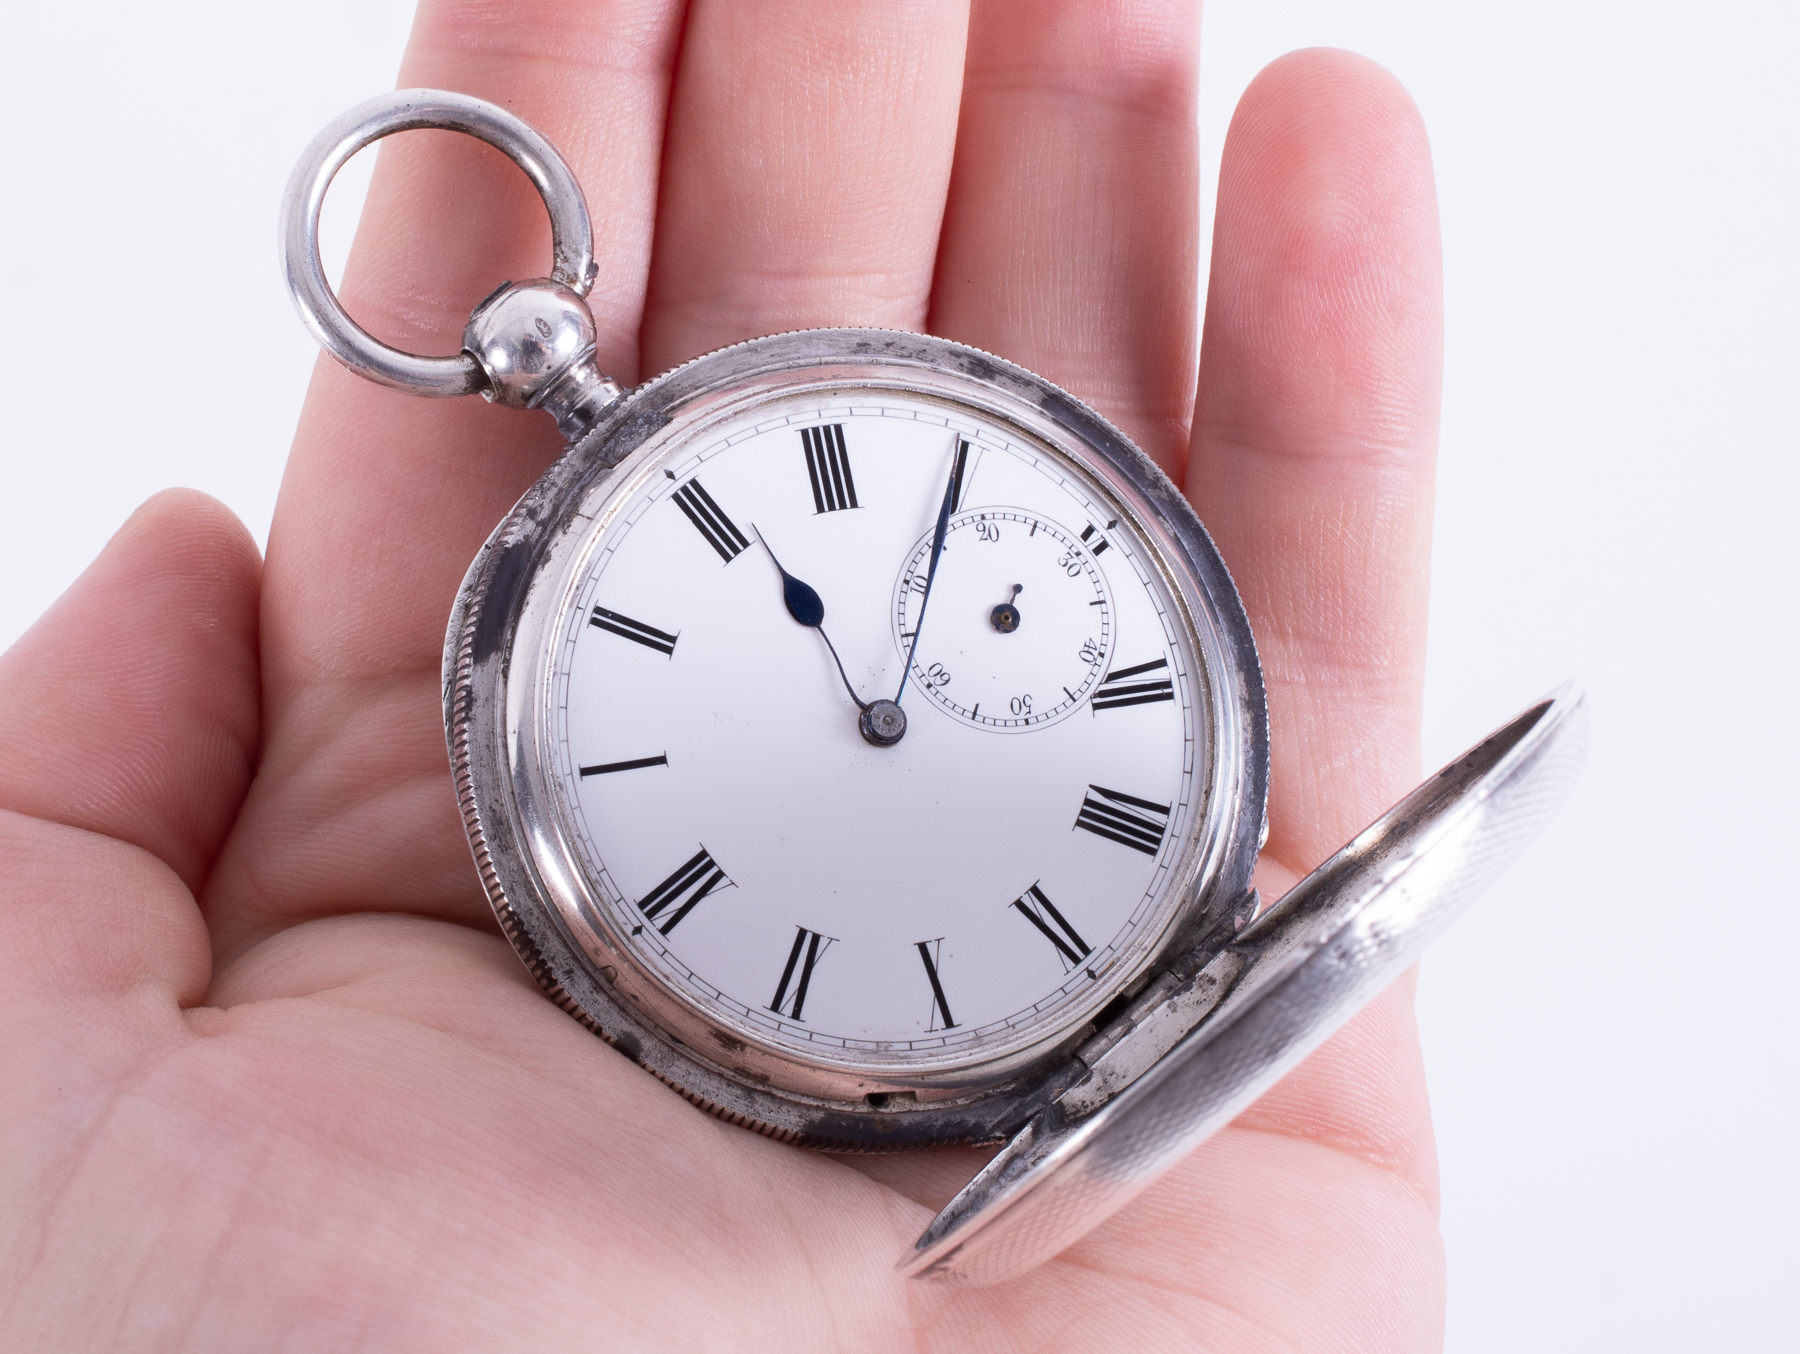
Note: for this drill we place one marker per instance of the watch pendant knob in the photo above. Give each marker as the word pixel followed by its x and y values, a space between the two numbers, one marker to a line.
pixel 535 342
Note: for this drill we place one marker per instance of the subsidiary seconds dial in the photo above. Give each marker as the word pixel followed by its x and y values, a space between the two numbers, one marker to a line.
pixel 1020 621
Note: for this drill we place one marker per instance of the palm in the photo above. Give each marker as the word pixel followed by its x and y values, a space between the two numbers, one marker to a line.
pixel 324 1105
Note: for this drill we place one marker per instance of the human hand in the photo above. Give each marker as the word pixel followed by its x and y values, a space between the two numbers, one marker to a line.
pixel 274 1080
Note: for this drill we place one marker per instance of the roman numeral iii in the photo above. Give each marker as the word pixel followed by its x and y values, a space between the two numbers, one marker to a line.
pixel 1037 909
pixel 682 891
pixel 710 521
pixel 1126 819
pixel 931 951
pixel 809 948
pixel 828 467
pixel 1119 689
pixel 635 631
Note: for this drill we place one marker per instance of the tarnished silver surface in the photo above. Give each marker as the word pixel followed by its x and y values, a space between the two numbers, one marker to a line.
pixel 524 335
pixel 498 644
pixel 535 342
pixel 1286 983
pixel 405 110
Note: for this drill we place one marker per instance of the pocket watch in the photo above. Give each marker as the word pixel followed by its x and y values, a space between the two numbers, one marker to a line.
pixel 858 732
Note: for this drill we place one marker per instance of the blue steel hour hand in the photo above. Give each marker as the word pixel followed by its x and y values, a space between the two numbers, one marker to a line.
pixel 807 607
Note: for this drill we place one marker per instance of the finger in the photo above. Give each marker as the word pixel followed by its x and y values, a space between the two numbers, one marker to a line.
pixel 1288 1216
pixel 1314 434
pixel 387 497
pixel 1315 429
pixel 1070 236
pixel 130 722
pixel 808 156
pixel 130 709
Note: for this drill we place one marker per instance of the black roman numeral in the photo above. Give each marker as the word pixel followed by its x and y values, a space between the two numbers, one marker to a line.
pixel 828 467
pixel 959 472
pixel 607 768
pixel 930 951
pixel 1096 548
pixel 636 631
pixel 809 948
pixel 1123 818
pixel 1119 690
pixel 682 890
pixel 710 521
pixel 1037 909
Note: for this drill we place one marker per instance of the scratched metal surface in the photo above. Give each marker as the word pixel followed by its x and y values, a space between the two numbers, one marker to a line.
pixel 1296 975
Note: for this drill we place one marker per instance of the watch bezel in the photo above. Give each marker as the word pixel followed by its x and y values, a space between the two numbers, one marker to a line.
pixel 493 677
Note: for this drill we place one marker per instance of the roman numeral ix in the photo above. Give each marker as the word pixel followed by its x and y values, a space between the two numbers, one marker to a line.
pixel 710 521
pixel 809 948
pixel 940 1019
pixel 1119 689
pixel 1123 818
pixel 828 467
pixel 607 768
pixel 681 891
pixel 636 631
pixel 1037 909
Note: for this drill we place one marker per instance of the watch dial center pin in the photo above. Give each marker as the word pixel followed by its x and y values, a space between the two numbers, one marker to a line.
pixel 883 723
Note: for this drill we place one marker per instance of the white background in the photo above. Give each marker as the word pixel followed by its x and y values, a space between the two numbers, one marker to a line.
pixel 1608 1032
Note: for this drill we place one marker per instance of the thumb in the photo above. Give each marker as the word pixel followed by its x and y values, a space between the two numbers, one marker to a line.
pixel 131 709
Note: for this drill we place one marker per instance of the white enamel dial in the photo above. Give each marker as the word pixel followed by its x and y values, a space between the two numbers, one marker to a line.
pixel 924 907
